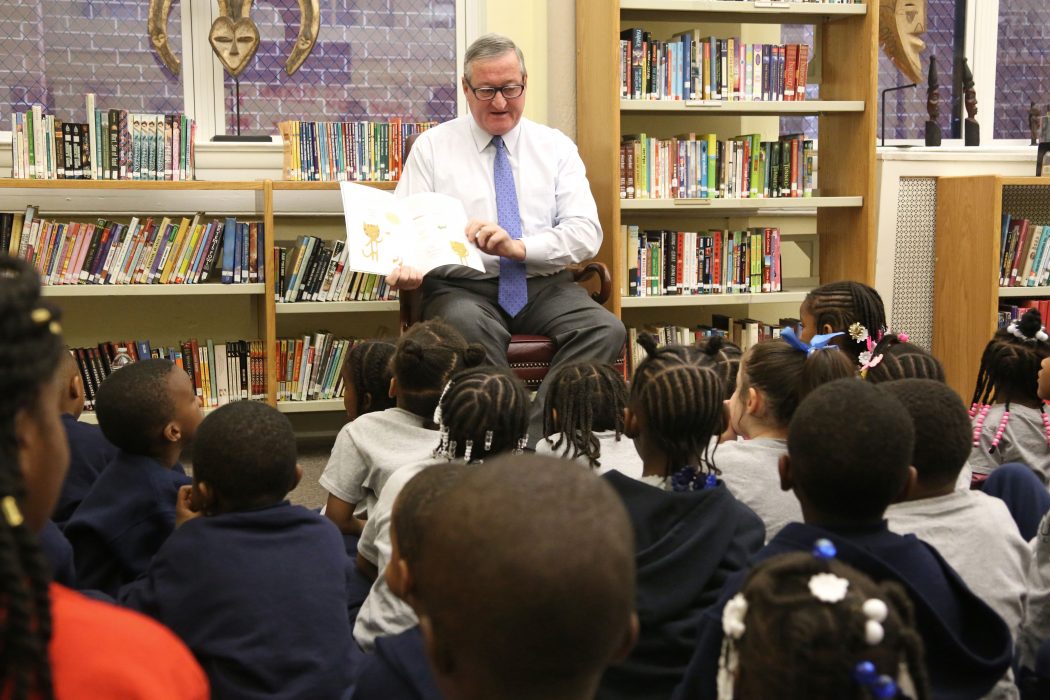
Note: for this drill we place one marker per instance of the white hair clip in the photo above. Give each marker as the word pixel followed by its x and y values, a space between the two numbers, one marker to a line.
pixel 858 332
pixel 828 588
pixel 469 447
pixel 876 612
pixel 1040 336
pixel 488 440
pixel 733 616
pixel 437 410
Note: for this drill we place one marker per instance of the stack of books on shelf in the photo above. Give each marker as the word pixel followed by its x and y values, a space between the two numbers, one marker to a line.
pixel 313 270
pixel 112 145
pixel 361 151
pixel 663 263
pixel 702 167
pixel 221 372
pixel 745 332
pixel 690 66
pixel 309 368
pixel 142 251
pixel 1024 258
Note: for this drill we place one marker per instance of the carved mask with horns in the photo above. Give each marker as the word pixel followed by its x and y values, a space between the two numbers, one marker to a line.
pixel 234 36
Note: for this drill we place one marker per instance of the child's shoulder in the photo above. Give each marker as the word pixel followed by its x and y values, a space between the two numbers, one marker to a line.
pixel 394 417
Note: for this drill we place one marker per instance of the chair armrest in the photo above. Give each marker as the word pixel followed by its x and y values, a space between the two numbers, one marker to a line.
pixel 410 306
pixel 601 271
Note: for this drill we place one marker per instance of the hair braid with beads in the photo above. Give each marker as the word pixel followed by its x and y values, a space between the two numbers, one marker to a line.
pixel 841 304
pixel 29 354
pixel 588 397
pixel 487 406
pixel 1010 365
pixel 682 404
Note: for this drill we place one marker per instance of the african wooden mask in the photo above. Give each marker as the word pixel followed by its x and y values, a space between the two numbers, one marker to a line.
pixel 234 36
pixel 901 26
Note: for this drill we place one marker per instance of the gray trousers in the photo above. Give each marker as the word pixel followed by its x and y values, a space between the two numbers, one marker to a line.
pixel 582 330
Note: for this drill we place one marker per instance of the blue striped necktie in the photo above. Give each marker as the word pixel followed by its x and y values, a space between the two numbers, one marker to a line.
pixel 513 288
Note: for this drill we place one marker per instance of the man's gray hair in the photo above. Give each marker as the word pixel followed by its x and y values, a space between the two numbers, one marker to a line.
pixel 488 47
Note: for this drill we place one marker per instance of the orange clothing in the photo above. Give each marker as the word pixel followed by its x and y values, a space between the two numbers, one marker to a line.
pixel 105 652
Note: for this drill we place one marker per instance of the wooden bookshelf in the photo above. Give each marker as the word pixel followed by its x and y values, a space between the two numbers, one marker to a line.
pixel 966 272
pixel 844 203
pixel 315 406
pixel 152 290
pixel 336 307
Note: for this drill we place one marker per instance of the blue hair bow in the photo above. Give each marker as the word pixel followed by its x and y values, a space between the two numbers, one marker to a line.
pixel 820 342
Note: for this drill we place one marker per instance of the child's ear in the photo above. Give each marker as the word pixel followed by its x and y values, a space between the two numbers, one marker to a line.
pixel 755 401
pixel 203 497
pixel 910 486
pixel 630 639
pixel 787 483
pixel 392 391
pixel 172 432
pixel 297 477
pixel 630 423
pixel 399 579
pixel 76 388
pixel 827 329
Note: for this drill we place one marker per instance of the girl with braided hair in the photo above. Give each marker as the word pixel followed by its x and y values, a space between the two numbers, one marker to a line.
pixel 372 447
pixel 1010 422
pixel 723 356
pixel 366 375
pixel 482 412
pixel 54 642
pixel 808 628
pixel 852 308
pixel 690 532
pixel 583 418
pixel 893 357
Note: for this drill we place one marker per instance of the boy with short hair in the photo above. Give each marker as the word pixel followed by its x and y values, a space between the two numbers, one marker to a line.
pixel 89 450
pixel 849 451
pixel 971 530
pixel 150 412
pixel 525 588
pixel 256 587
pixel 398 668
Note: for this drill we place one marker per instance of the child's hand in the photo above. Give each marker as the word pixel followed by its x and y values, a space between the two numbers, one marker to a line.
pixel 184 507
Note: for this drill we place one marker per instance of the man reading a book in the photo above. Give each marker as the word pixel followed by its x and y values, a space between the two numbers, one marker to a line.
pixel 532 215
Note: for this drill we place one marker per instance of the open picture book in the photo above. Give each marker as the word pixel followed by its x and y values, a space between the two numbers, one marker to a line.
pixel 424 231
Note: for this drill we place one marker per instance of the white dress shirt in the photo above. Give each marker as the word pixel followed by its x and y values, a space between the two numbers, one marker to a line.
pixel 558 214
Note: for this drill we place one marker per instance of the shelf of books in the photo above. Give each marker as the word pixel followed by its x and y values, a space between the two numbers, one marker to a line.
pixel 313 406
pixel 992 262
pixel 772 11
pixel 678 106
pixel 683 107
pixel 148 290
pixel 336 307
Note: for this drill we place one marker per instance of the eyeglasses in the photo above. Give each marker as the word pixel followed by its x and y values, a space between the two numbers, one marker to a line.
pixel 486 94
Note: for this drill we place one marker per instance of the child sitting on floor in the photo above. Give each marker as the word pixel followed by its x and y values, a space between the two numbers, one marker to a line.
pixel 850 445
pixel 847 307
pixel 548 550
pixel 366 375
pixel 774 376
pixel 484 412
pixel 690 532
pixel 583 418
pixel 245 569
pixel 57 643
pixel 149 410
pixel 368 450
pixel 1010 423
pixel 806 627
pixel 972 531
pixel 398 668
pixel 89 450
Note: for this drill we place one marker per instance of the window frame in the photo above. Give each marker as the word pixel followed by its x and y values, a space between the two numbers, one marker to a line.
pixel 202 76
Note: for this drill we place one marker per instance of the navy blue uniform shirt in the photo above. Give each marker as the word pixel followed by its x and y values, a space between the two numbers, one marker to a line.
pixel 968 646
pixel 260 597
pixel 123 520
pixel 89 453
